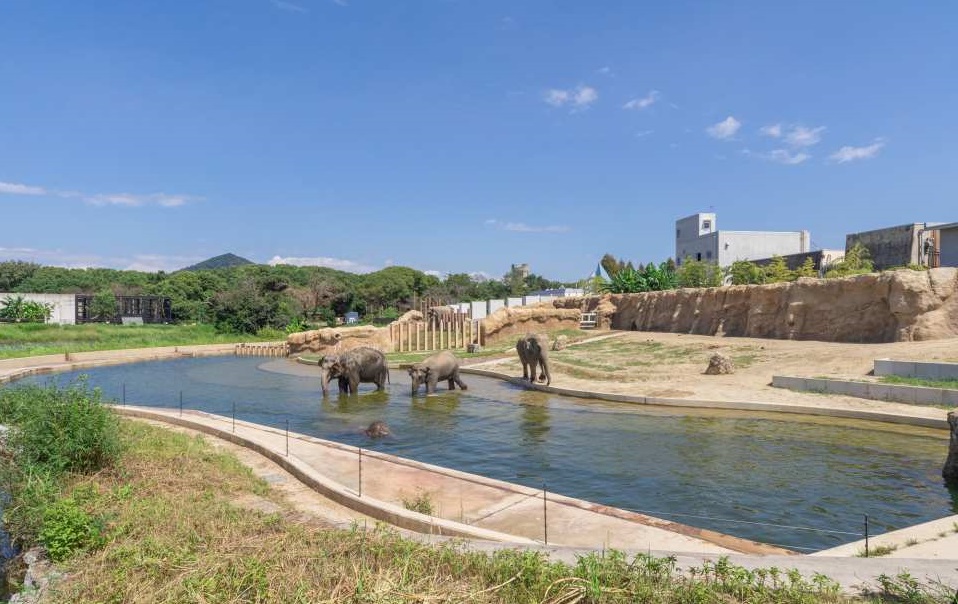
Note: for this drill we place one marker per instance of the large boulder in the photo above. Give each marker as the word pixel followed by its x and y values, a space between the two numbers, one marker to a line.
pixel 720 364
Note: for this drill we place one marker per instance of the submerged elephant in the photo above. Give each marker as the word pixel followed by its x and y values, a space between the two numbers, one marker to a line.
pixel 533 351
pixel 353 367
pixel 432 370
pixel 377 429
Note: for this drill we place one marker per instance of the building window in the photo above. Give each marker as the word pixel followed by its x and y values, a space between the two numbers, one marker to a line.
pixel 707 225
pixel 678 233
pixel 708 255
pixel 698 256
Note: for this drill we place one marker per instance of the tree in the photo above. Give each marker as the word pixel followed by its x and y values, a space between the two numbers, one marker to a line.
pixel 698 273
pixel 611 264
pixel 103 305
pixel 15 272
pixel 857 261
pixel 807 269
pixel 744 272
pixel 777 271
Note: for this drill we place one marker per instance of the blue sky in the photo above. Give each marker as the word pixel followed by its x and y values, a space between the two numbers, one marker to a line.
pixel 463 136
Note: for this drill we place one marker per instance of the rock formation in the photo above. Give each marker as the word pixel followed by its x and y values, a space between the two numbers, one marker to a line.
pixel 720 364
pixel 880 307
pixel 506 323
pixel 561 342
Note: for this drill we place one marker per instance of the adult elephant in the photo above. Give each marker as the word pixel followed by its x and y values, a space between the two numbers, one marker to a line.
pixel 432 370
pixel 362 364
pixel 533 349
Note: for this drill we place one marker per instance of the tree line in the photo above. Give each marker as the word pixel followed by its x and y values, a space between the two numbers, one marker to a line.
pixel 248 298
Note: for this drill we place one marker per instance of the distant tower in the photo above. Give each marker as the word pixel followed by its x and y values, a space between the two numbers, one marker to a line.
pixel 522 269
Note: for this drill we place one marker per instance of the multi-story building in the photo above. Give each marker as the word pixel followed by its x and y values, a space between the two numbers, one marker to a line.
pixel 697 237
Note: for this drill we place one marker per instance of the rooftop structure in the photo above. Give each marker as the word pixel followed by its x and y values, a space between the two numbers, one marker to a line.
pixel 697 237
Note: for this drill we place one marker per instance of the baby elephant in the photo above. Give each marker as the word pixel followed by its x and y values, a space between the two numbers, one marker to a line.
pixel 438 367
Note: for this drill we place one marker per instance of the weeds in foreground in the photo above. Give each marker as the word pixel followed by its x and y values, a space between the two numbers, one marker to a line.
pixel 421 502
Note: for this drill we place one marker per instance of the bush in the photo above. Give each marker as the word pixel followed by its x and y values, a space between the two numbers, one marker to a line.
pixel 69 529
pixel 60 429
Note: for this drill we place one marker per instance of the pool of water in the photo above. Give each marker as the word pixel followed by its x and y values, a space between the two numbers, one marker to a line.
pixel 729 471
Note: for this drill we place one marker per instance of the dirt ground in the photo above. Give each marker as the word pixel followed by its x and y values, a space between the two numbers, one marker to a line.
pixel 672 365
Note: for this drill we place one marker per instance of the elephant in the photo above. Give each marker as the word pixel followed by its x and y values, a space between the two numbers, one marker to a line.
pixel 533 351
pixel 377 429
pixel 440 366
pixel 354 366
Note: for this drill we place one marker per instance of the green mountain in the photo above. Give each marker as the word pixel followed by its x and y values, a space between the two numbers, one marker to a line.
pixel 221 261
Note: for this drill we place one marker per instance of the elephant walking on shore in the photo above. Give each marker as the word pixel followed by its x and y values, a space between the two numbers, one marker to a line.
pixel 432 370
pixel 353 367
pixel 533 352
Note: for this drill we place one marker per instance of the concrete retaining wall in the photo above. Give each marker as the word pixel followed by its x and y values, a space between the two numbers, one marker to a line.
pixel 917 369
pixel 915 395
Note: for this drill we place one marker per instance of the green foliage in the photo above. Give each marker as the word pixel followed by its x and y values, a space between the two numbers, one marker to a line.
pixel 698 273
pixel 857 261
pixel 55 432
pixel 68 529
pixel 744 272
pixel 631 280
pixel 18 310
pixel 421 503
pixel 60 429
pixel 103 305
pixel 15 272
pixel 777 271
pixel 807 269
pixel 295 326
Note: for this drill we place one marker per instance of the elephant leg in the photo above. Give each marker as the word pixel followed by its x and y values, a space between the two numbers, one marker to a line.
pixel 343 385
pixel 354 385
pixel 452 384
pixel 431 383
pixel 458 380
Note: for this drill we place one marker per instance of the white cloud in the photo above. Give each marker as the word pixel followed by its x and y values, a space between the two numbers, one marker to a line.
pixel 336 263
pixel 800 136
pixel 101 199
pixel 127 199
pixel 17 189
pixel 789 158
pixel 774 131
pixel 642 133
pixel 644 102
pixel 289 6
pixel 578 98
pixel 725 129
pixel 140 262
pixel 606 71
pixel 849 153
pixel 522 227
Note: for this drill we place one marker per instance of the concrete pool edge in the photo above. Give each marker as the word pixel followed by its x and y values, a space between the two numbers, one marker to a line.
pixel 862 414
pixel 667 534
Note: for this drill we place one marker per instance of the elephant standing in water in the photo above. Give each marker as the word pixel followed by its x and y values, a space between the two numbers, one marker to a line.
pixel 354 366
pixel 533 351
pixel 434 369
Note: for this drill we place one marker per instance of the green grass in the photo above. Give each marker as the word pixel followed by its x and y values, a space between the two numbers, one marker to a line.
pixel 32 339
pixel 913 381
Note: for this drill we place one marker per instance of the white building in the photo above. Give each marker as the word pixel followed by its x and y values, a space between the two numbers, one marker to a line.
pixel 697 237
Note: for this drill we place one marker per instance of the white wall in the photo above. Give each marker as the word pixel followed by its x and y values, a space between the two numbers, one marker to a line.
pixel 478 309
pixel 64 305
pixel 494 305
pixel 755 245
pixel 513 302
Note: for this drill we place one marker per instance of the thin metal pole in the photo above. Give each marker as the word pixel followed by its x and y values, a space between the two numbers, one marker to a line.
pixel 124 394
pixel 287 438
pixel 360 471
pixel 866 535
pixel 181 403
pixel 234 417
pixel 545 516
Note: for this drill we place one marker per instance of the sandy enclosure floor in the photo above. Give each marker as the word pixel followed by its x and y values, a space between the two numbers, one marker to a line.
pixel 672 365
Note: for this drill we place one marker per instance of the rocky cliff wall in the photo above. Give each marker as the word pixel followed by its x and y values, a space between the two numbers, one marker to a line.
pixel 883 307
pixel 512 322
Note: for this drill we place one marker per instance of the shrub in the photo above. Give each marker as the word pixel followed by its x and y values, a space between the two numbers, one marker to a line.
pixel 698 273
pixel 857 261
pixel 64 429
pixel 69 529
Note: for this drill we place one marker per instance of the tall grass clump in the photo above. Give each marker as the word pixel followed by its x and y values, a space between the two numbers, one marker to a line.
pixel 52 433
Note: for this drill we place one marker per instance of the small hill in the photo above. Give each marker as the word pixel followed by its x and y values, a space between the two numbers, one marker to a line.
pixel 221 261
